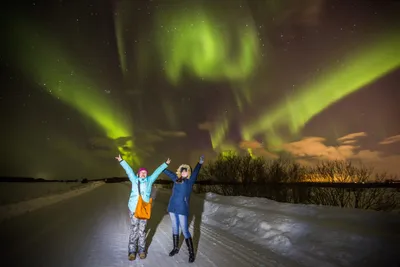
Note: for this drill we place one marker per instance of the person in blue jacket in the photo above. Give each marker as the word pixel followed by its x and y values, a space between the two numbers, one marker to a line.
pixel 137 236
pixel 178 206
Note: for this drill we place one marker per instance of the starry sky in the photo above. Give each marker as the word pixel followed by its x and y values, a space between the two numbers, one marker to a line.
pixel 83 81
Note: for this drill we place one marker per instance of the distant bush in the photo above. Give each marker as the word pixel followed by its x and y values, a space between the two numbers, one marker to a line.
pixel 247 176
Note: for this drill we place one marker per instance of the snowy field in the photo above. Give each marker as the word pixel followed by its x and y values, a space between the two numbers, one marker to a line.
pixel 17 192
pixel 227 231
pixel 38 196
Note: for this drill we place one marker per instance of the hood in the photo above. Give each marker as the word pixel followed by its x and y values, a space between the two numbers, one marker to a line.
pixel 178 171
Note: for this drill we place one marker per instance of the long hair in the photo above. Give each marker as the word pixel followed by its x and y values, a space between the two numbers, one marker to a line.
pixel 179 174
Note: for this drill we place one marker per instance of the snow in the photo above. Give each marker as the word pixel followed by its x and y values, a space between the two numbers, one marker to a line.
pixel 14 209
pixel 309 234
pixel 92 230
pixel 17 191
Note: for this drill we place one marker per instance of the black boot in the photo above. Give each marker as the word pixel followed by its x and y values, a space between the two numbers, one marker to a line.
pixel 175 250
pixel 189 243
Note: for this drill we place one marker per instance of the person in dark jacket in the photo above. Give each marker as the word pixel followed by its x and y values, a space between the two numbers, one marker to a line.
pixel 178 206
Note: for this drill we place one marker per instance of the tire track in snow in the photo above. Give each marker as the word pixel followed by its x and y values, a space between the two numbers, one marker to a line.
pixel 179 256
pixel 232 249
pixel 247 255
pixel 242 251
pixel 216 247
pixel 215 238
pixel 225 246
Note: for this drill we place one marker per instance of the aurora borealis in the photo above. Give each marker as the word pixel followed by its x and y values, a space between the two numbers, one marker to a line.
pixel 154 79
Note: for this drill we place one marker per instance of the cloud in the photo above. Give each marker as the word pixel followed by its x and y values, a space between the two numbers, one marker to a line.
pixel 206 126
pixel 306 13
pixel 102 143
pixel 351 137
pixel 106 148
pixel 315 147
pixel 152 138
pixel 257 149
pixel 349 142
pixel 157 136
pixel 227 146
pixel 250 144
pixel 390 140
pixel 148 141
pixel 311 14
pixel 311 149
pixel 171 133
pixel 96 147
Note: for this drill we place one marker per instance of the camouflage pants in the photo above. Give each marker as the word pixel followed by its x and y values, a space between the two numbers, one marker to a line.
pixel 137 236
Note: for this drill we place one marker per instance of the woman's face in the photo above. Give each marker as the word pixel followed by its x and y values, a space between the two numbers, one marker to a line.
pixel 184 174
pixel 143 174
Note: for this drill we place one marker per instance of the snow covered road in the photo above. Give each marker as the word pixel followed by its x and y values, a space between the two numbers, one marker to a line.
pixel 92 230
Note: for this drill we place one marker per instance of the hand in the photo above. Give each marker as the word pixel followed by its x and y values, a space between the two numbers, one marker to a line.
pixel 168 161
pixel 118 158
pixel 201 160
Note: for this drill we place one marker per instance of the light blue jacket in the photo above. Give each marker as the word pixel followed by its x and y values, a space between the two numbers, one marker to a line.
pixel 145 184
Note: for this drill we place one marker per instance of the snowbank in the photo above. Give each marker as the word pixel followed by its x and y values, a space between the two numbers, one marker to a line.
pixel 17 192
pixel 11 210
pixel 308 234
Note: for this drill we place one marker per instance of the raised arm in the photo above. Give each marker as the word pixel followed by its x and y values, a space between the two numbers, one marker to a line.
pixel 170 174
pixel 158 171
pixel 196 171
pixel 131 174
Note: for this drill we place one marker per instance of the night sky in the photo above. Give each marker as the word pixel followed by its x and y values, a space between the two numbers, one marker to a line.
pixel 85 80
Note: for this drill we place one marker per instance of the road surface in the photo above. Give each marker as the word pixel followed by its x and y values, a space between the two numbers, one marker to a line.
pixel 91 230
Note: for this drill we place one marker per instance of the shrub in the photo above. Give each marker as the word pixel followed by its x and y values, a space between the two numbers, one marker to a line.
pixel 247 176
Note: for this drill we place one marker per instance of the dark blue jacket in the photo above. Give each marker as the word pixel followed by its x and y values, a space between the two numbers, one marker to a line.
pixel 180 198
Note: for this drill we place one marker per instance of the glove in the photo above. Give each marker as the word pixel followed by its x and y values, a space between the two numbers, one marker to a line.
pixel 201 160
